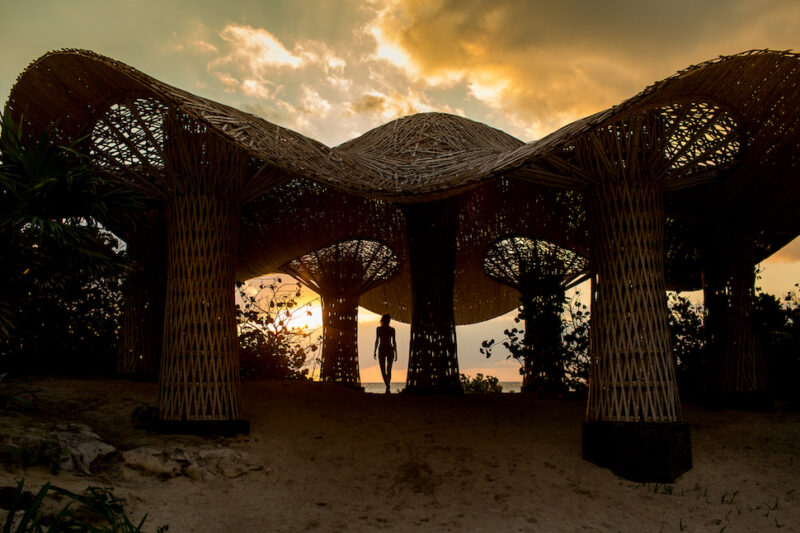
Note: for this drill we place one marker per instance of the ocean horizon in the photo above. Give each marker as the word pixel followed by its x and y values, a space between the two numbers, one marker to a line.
pixel 397 386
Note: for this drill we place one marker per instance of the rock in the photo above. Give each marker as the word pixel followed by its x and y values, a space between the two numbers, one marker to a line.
pixel 46 451
pixel 226 462
pixel 71 447
pixel 202 465
pixel 83 449
pixel 196 472
pixel 154 460
pixel 8 453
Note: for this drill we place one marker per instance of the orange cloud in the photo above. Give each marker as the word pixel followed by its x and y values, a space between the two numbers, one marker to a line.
pixel 257 48
pixel 545 63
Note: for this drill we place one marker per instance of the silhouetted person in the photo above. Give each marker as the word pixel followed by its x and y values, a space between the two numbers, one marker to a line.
pixel 386 348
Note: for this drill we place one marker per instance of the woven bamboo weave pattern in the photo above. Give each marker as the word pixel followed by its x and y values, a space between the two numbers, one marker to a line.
pixel 718 138
pixel 199 378
pixel 633 376
pixel 340 341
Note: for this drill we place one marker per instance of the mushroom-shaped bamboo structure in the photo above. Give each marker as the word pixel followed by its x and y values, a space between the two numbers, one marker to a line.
pixel 205 174
pixel 631 162
pixel 540 271
pixel 340 273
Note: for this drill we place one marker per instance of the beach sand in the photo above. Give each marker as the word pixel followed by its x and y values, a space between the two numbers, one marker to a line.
pixel 324 458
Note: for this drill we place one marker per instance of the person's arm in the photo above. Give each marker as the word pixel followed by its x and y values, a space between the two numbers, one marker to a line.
pixel 377 339
pixel 394 345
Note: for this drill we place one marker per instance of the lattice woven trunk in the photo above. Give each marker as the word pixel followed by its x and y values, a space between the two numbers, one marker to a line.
pixel 433 360
pixel 340 340
pixel 729 293
pixel 543 366
pixel 633 373
pixel 143 304
pixel 200 363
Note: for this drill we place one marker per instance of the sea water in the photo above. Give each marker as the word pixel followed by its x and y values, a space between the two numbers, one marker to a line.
pixel 397 386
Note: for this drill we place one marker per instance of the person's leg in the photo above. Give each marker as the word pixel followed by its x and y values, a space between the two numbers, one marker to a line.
pixel 388 376
pixel 382 363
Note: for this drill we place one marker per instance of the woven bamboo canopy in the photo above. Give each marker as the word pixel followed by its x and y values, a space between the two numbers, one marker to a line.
pixel 728 130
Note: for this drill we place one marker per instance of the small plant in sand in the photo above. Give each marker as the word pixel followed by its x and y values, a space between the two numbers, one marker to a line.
pixel 274 342
pixel 96 510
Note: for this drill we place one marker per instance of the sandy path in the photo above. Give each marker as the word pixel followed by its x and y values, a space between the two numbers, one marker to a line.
pixel 339 460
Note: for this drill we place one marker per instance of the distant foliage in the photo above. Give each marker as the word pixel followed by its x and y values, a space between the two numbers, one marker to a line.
pixel 575 336
pixel 67 323
pixel 270 346
pixel 776 326
pixel 60 270
pixel 480 384
pixel 776 323
pixel 686 321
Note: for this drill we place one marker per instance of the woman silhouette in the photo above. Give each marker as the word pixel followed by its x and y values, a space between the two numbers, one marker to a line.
pixel 386 347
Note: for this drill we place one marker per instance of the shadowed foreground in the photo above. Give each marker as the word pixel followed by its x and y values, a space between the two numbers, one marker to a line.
pixel 325 458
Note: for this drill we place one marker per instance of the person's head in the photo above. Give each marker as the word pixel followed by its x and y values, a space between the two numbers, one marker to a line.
pixel 385 319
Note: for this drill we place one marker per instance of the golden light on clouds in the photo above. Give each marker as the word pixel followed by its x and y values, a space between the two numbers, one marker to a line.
pixel 390 51
pixel 540 65
pixel 257 48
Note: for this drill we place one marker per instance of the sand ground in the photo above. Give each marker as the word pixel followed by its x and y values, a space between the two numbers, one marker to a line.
pixel 332 459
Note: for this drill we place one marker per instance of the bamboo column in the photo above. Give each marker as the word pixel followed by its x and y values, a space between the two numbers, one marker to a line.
pixel 340 274
pixel 340 340
pixel 738 369
pixel 143 301
pixel 634 423
pixel 539 270
pixel 201 179
pixel 433 361
pixel 544 366
pixel 633 376
pixel 199 380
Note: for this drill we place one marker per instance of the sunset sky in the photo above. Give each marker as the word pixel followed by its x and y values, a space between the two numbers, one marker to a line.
pixel 334 69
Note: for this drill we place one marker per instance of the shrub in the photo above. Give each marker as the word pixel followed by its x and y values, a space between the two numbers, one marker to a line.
pixel 270 345
pixel 479 384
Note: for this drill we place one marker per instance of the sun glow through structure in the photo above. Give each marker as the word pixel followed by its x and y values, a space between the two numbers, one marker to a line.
pixel 308 319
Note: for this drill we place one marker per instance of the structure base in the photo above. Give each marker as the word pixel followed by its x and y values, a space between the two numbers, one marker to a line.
pixel 639 451
pixel 224 428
